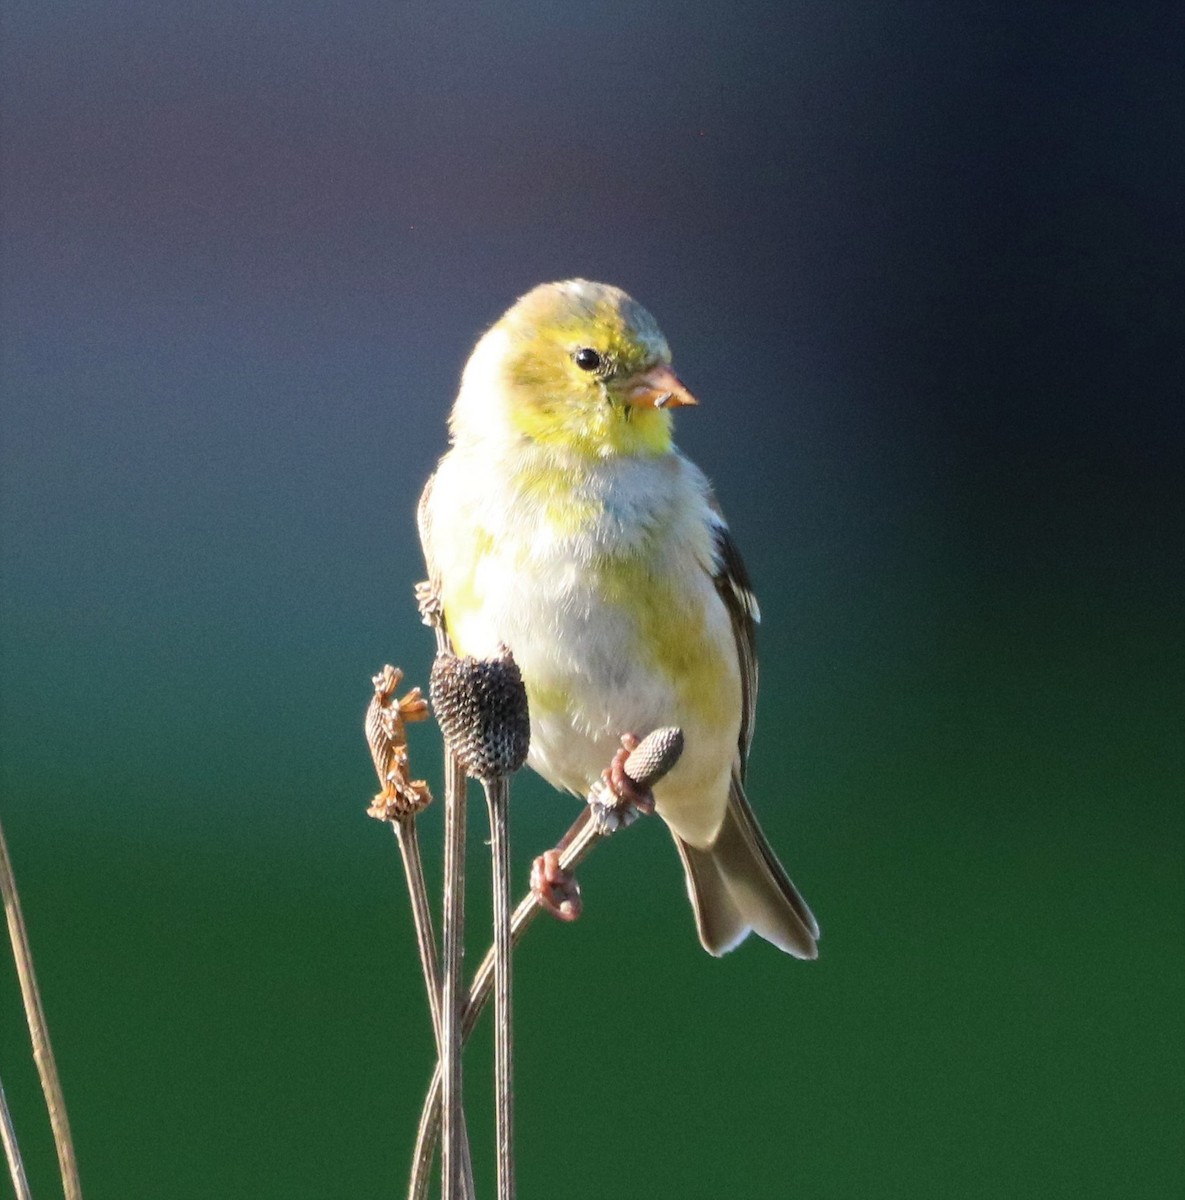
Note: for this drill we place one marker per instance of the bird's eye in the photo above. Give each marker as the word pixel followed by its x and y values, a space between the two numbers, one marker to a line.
pixel 587 359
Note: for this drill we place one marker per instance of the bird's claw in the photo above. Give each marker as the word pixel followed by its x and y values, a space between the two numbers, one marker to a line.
pixel 615 800
pixel 429 603
pixel 626 790
pixel 555 888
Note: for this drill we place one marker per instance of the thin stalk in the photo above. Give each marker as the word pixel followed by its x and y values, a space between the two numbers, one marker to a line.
pixel 407 836
pixel 47 1069
pixel 451 990
pixel 497 793
pixel 12 1151
pixel 400 799
pixel 577 844
pixel 444 994
pixel 413 867
pixel 646 764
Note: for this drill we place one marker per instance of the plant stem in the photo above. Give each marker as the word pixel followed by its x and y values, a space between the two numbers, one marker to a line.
pixel 407 836
pixel 12 1151
pixel 451 995
pixel 497 793
pixel 647 763
pixel 413 867
pixel 443 997
pixel 47 1069
pixel 578 843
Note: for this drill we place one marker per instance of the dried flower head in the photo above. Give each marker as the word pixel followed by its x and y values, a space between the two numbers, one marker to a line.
pixel 481 705
pixel 386 733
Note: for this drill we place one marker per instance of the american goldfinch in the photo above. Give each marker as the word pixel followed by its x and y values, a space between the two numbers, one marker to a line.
pixel 564 524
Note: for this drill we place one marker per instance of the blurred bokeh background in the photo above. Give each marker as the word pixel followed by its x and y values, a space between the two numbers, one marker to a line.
pixel 918 261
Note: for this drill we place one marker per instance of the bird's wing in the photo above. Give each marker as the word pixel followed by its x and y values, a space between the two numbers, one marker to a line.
pixel 428 594
pixel 737 884
pixel 732 584
pixel 424 525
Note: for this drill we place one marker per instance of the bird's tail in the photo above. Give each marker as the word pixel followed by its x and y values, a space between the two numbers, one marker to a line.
pixel 737 885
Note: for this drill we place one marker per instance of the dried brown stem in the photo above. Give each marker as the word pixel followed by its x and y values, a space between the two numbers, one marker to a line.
pixel 450 1043
pixel 413 867
pixel 595 823
pixel 47 1069
pixel 12 1151
pixel 497 793
pixel 584 835
pixel 399 802
pixel 482 710
pixel 451 998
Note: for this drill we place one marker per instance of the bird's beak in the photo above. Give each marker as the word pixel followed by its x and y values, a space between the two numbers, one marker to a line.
pixel 659 387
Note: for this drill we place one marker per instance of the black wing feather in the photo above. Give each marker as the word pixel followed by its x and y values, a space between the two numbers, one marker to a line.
pixel 732 583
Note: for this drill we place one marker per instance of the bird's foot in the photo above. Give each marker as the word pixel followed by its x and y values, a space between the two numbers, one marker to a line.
pixel 555 888
pixel 617 799
pixel 628 792
pixel 623 791
pixel 429 604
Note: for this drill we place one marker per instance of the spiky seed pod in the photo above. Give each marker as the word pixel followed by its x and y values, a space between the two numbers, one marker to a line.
pixel 654 756
pixel 481 705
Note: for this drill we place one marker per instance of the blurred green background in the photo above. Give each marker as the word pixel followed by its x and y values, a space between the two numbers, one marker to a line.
pixel 920 263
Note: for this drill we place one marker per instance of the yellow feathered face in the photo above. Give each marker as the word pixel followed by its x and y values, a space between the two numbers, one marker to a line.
pixel 587 369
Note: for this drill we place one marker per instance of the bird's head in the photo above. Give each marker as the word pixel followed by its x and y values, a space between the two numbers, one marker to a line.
pixel 577 366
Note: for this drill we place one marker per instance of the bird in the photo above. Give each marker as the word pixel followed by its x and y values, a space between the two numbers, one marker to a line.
pixel 564 525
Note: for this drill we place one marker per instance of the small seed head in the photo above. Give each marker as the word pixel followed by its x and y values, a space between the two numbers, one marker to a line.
pixel 481 706
pixel 654 756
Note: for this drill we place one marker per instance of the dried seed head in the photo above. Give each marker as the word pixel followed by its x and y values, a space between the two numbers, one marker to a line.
pixel 648 761
pixel 654 756
pixel 481 706
pixel 385 719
